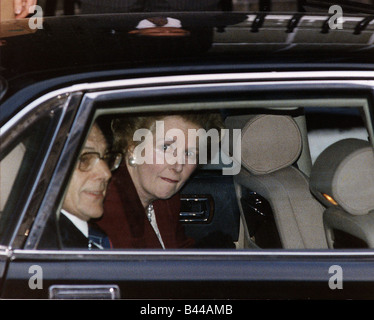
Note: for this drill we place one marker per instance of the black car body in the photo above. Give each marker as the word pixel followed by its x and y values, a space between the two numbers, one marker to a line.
pixel 56 80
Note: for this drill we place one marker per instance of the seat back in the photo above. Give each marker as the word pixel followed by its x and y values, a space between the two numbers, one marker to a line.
pixel 271 144
pixel 342 178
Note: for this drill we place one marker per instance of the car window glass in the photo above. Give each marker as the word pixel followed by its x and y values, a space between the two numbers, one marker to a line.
pixel 17 168
pixel 9 167
pixel 267 203
pixel 328 125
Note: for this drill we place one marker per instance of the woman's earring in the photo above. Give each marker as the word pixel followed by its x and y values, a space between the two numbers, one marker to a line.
pixel 132 161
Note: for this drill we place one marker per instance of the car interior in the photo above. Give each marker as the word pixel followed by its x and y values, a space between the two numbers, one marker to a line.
pixel 281 190
pixel 306 171
pixel 270 202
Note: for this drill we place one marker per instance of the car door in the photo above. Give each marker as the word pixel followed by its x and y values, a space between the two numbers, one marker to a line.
pixel 167 274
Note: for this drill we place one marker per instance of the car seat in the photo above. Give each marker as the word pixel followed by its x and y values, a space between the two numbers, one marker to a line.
pixel 270 147
pixel 342 178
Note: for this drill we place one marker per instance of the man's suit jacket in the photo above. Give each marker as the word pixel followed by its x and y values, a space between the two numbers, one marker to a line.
pixel 70 236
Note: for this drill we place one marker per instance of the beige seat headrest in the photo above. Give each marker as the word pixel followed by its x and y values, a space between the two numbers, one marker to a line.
pixel 344 171
pixel 269 142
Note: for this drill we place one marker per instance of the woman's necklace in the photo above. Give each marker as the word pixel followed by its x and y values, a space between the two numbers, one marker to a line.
pixel 150 212
pixel 153 222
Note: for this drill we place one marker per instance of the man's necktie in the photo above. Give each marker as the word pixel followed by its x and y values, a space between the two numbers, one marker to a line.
pixel 97 239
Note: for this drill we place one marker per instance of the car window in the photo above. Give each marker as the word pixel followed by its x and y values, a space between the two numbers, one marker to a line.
pixel 28 152
pixel 254 192
pixel 328 125
pixel 18 167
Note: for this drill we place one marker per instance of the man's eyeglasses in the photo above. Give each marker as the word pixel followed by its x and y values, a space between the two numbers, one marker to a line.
pixel 88 160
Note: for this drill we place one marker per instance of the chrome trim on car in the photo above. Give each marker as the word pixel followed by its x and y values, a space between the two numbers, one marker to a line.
pixel 141 254
pixel 54 94
pixel 5 251
pixel 84 291
pixel 263 76
pixel 364 83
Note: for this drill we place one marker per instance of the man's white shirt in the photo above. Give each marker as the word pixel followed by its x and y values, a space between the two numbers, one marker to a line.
pixel 81 225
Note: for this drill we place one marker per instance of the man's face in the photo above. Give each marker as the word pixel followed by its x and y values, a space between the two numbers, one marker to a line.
pixel 87 189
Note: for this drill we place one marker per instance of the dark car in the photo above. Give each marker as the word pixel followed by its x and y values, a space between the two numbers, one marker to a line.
pixel 287 203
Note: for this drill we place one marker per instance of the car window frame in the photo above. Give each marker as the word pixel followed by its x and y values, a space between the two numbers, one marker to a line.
pixel 135 92
pixel 58 108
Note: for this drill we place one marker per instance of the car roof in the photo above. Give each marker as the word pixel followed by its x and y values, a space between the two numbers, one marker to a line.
pixel 215 41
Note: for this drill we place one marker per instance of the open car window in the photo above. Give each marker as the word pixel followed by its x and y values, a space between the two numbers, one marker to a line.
pixel 259 190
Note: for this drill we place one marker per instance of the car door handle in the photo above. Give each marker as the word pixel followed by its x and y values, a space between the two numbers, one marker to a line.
pixel 84 292
pixel 196 208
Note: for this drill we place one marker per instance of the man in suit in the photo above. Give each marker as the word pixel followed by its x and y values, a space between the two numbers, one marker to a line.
pixel 71 228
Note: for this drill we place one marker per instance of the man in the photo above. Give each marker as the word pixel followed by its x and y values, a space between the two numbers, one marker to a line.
pixel 84 199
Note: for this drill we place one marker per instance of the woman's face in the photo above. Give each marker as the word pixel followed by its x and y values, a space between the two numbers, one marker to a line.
pixel 171 165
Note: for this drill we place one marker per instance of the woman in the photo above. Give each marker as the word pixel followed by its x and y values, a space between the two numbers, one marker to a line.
pixel 141 209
